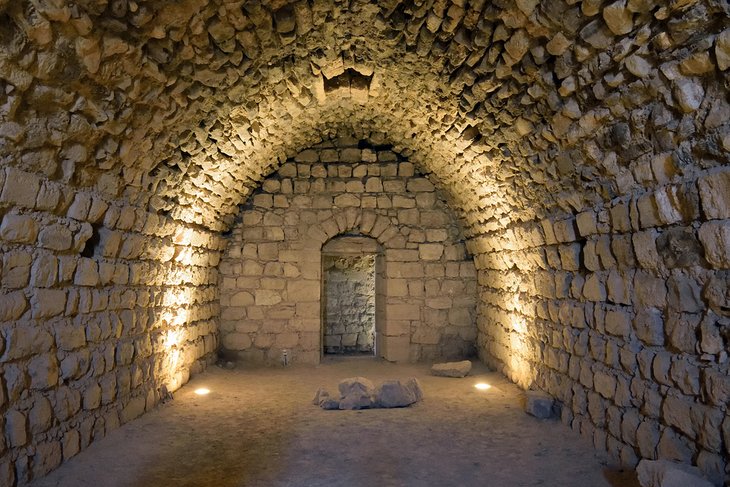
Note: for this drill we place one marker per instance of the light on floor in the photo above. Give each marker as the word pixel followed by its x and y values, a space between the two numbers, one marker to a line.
pixel 482 386
pixel 202 391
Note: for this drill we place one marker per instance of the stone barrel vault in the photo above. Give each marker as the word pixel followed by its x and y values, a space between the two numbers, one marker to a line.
pixel 570 220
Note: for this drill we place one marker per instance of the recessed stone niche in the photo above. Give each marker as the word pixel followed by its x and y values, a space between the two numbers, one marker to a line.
pixel 350 286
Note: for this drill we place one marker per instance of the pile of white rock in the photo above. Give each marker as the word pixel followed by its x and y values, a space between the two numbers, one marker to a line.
pixel 361 393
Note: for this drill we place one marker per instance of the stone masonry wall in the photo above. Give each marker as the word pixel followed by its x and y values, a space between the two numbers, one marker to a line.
pixel 349 303
pixel 101 304
pixel 271 271
pixel 620 308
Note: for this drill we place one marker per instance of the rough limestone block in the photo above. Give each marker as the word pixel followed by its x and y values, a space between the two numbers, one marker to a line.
pixel 565 231
pixel 430 251
pixel 16 429
pixel 396 348
pixel 715 238
pixel 87 273
pixel 452 369
pixel 133 409
pixel 19 229
pixel 586 222
pixel 356 393
pixel 715 195
pixel 394 394
pixel 21 188
pixel 664 473
pixel 12 305
pixel 722 50
pixel 46 303
pixel 539 404
pixel 43 371
pixel 689 93
pixel 40 417
pixel 47 457
pixel 618 322
pixel 618 18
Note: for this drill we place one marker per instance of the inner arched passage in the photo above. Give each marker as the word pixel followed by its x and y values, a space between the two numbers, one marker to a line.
pixel 271 274
pixel 353 295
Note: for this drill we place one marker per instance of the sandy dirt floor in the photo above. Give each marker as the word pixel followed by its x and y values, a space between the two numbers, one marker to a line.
pixel 258 427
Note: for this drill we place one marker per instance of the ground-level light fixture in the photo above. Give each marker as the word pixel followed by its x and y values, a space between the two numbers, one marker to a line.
pixel 482 386
pixel 202 391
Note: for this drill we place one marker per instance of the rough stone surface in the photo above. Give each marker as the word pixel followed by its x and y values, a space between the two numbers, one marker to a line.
pixel 356 393
pixel 452 369
pixel 663 473
pixel 395 394
pixel 539 404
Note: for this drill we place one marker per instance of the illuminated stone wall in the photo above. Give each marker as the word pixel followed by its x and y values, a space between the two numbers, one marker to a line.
pixel 271 272
pixel 101 304
pixel 621 313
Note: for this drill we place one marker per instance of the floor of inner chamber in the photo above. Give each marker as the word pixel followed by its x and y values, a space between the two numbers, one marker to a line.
pixel 258 427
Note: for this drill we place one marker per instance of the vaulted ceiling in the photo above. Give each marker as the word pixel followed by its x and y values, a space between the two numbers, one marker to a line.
pixel 516 108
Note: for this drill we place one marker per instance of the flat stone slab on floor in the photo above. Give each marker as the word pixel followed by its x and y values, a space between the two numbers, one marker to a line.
pixel 452 369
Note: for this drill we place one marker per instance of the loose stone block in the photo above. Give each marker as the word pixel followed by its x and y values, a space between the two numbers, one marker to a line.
pixel 452 369
pixel 356 393
pixel 394 394
pixel 539 404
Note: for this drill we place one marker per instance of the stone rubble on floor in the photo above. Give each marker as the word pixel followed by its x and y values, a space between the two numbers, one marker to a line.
pixel 361 393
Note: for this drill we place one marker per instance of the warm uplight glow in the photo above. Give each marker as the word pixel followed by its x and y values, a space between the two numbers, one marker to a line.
pixel 202 391
pixel 482 386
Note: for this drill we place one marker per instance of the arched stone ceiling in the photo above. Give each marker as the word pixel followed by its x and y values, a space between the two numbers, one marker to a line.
pixel 186 105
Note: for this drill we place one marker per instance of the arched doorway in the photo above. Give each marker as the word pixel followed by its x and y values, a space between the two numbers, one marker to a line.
pixel 352 295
